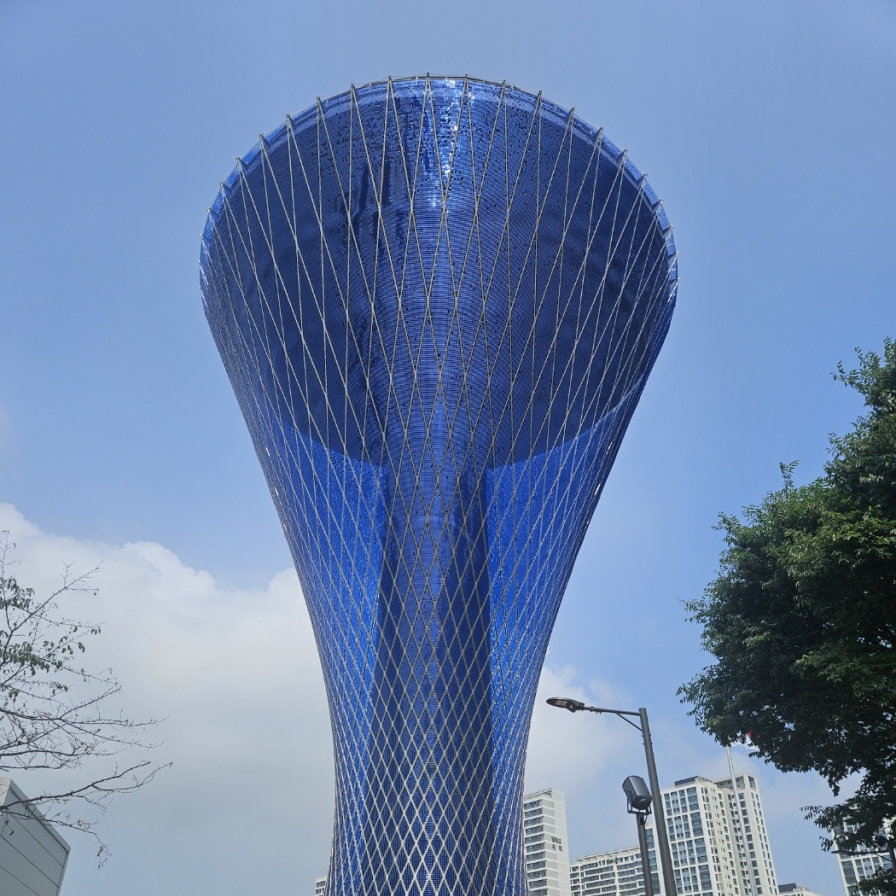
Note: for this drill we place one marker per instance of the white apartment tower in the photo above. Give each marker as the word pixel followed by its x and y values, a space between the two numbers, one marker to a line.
pixel 616 873
pixel 858 866
pixel 546 843
pixel 718 838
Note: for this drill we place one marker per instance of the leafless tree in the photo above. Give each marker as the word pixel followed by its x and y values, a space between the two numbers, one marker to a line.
pixel 53 711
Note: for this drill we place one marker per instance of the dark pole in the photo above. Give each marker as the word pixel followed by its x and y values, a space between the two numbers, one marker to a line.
pixel 645 855
pixel 662 835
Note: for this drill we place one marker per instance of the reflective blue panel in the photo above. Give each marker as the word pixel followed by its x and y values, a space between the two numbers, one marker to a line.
pixel 438 302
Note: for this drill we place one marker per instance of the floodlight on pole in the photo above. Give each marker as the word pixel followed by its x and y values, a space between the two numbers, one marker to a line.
pixel 662 835
pixel 638 794
pixel 638 798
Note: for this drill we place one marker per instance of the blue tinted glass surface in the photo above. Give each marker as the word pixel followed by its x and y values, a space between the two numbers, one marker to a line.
pixel 438 301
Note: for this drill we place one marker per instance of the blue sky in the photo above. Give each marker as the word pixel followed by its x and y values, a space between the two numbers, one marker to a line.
pixel 768 129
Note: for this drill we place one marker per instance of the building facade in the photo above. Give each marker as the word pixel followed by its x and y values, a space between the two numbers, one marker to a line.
pixel 718 838
pixel 718 841
pixel 858 866
pixel 616 873
pixel 33 854
pixel 438 301
pixel 545 843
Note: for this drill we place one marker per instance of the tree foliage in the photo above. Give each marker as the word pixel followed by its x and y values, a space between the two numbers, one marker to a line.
pixel 53 713
pixel 802 622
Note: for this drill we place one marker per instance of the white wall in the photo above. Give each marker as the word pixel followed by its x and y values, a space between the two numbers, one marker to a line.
pixel 33 855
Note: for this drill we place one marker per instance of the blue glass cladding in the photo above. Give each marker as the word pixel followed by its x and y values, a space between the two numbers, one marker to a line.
pixel 438 301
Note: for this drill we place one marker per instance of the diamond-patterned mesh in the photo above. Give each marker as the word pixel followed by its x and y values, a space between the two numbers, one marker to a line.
pixel 438 301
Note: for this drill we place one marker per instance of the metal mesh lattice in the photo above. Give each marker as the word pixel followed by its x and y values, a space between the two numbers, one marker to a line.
pixel 438 301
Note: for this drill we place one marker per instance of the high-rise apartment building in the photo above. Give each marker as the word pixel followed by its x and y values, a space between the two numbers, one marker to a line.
pixel 546 843
pixel 616 873
pixel 718 841
pixel 718 838
pixel 858 866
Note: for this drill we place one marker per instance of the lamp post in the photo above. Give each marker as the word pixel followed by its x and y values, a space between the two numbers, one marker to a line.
pixel 662 836
pixel 638 801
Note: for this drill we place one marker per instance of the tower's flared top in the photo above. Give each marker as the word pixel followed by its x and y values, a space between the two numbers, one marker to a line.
pixel 457 243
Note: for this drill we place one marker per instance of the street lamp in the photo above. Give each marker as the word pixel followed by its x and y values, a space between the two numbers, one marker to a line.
pixel 662 836
pixel 637 795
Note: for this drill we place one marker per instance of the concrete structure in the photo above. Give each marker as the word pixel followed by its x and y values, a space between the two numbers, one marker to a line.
pixel 546 843
pixel 745 807
pixel 320 886
pixel 438 301
pixel 718 837
pixel 616 873
pixel 33 855
pixel 795 890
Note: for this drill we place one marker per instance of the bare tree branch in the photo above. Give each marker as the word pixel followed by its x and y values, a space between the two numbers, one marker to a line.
pixel 53 711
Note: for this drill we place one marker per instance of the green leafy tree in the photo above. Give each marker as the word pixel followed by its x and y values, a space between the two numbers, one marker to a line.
pixel 53 711
pixel 801 620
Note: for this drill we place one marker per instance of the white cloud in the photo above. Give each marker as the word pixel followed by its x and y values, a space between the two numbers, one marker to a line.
pixel 573 750
pixel 236 677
